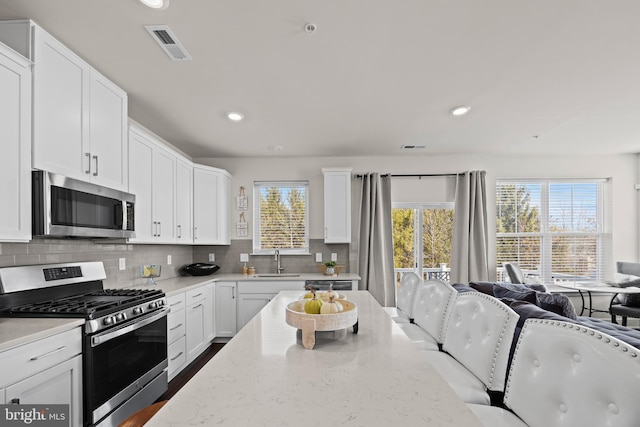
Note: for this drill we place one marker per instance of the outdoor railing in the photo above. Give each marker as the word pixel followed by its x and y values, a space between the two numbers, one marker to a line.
pixel 443 274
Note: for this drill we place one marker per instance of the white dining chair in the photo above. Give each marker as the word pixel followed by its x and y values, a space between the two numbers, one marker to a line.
pixel 405 300
pixel 433 303
pixel 477 341
pixel 564 374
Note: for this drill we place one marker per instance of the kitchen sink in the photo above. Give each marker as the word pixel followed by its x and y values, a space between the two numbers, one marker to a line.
pixel 277 275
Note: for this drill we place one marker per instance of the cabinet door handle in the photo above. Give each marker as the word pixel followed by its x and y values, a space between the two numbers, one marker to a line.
pixel 34 358
pixel 175 303
pixel 196 306
pixel 197 295
pixel 179 231
pixel 96 159
pixel 88 155
pixel 195 233
pixel 155 229
pixel 159 229
pixel 175 327
pixel 174 358
pixel 233 293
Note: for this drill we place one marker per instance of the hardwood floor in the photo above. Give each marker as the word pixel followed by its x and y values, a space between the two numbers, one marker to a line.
pixel 188 372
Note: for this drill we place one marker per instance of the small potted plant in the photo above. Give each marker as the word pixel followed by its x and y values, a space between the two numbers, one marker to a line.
pixel 330 270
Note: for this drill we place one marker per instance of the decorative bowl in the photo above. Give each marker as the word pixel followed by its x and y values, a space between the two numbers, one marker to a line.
pixel 310 323
pixel 200 269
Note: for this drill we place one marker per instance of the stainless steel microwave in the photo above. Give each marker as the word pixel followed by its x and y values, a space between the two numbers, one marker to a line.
pixel 66 207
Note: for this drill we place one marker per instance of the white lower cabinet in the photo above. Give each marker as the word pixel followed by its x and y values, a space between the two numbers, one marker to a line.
pixel 225 321
pixel 199 320
pixel 176 329
pixel 47 371
pixel 190 326
pixel 249 305
pixel 177 355
pixel 254 295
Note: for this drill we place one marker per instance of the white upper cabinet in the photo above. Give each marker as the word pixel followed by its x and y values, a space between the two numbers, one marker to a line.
pixel 184 201
pixel 79 117
pixel 337 205
pixel 211 206
pixel 108 135
pixel 152 172
pixel 15 136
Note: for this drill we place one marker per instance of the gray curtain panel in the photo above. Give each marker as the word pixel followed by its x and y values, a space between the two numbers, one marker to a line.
pixel 470 246
pixel 375 238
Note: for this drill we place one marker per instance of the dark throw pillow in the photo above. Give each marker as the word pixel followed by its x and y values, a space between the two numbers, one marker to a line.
pixel 484 287
pixel 557 303
pixel 631 300
pixel 514 291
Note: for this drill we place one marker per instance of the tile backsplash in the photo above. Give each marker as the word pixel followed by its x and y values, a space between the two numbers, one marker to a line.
pixel 47 251
pixel 228 257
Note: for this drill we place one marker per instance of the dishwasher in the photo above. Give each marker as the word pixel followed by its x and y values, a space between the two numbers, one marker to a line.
pixel 323 285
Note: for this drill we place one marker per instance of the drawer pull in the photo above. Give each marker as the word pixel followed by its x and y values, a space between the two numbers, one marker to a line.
pixel 174 358
pixel 197 295
pixel 175 303
pixel 196 306
pixel 48 354
pixel 175 327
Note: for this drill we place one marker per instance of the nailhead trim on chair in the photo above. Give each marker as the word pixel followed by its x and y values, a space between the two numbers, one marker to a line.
pixel 509 313
pixel 633 353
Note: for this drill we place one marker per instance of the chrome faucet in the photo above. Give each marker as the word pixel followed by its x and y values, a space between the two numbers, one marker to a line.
pixel 279 267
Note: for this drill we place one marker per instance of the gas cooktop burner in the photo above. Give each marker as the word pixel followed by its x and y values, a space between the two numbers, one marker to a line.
pixel 90 305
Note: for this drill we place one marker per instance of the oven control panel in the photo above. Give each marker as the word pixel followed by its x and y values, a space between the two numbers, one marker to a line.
pixel 59 273
pixel 122 316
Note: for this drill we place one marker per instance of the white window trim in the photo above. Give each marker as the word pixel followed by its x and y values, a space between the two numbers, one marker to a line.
pixel 602 233
pixel 257 250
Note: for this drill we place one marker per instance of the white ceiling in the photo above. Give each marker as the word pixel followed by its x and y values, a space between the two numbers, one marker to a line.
pixel 542 76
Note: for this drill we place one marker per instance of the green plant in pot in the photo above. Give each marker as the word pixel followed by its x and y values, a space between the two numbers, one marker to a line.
pixel 330 267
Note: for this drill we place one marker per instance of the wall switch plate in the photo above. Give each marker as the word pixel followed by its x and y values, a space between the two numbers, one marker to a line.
pixel 122 264
pixel 318 256
pixel 244 257
pixel 334 257
pixel 168 259
pixel 212 257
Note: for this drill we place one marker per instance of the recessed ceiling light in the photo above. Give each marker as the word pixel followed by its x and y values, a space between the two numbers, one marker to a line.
pixel 460 110
pixel 156 4
pixel 275 147
pixel 235 116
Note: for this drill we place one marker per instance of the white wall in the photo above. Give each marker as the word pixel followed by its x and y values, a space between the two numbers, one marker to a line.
pixel 623 169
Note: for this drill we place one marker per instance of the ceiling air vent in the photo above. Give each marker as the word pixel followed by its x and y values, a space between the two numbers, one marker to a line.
pixel 412 147
pixel 168 42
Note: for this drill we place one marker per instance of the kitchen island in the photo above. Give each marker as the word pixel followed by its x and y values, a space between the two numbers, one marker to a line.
pixel 265 377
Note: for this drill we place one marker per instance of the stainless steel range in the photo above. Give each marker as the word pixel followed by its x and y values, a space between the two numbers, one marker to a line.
pixel 125 333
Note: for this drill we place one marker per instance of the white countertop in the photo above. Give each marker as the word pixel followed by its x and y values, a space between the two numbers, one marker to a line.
pixel 264 377
pixel 19 331
pixel 183 283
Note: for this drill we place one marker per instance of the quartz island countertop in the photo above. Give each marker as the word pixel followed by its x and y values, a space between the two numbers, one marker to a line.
pixel 265 377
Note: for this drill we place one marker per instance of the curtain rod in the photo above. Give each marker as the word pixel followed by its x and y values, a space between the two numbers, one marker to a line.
pixel 426 175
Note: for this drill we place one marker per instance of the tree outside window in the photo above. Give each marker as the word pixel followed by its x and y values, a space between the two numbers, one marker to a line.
pixel 281 217
pixel 422 235
pixel 554 230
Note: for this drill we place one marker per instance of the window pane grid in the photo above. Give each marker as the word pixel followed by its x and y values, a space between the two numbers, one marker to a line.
pixel 282 217
pixel 552 228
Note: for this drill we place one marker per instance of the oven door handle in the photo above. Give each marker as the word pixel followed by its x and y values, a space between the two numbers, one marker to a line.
pixel 131 326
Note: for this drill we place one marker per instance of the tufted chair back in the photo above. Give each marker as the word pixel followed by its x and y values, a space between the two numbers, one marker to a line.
pixel 406 294
pixel 479 334
pixel 564 374
pixel 434 301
